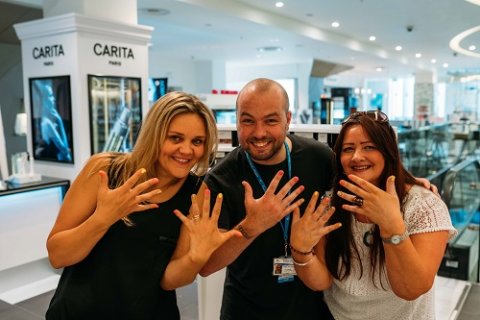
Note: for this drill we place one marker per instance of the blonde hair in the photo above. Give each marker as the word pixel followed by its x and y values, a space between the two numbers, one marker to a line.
pixel 154 132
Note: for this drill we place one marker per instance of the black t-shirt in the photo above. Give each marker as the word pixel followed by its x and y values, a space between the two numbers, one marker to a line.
pixel 251 291
pixel 120 278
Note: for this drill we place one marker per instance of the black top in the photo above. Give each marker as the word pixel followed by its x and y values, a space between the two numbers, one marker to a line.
pixel 251 291
pixel 120 278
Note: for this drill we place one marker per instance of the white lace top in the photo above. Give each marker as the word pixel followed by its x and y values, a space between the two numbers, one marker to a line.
pixel 358 298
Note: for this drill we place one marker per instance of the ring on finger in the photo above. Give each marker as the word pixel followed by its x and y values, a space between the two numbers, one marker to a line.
pixel 196 217
pixel 357 201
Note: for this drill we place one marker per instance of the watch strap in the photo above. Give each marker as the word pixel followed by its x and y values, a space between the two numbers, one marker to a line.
pixel 396 238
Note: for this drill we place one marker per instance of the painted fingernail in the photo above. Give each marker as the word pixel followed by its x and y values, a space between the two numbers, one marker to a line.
pixel 220 196
pixel 315 193
pixel 339 193
pixel 143 170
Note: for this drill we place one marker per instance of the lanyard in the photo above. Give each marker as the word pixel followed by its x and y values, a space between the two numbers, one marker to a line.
pixel 286 221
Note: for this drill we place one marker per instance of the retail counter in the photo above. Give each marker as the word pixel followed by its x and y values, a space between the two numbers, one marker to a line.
pixel 27 214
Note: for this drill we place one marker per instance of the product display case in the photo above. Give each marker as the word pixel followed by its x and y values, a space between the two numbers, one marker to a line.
pixel 461 193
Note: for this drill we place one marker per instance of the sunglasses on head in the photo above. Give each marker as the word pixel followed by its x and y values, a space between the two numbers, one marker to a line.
pixel 376 115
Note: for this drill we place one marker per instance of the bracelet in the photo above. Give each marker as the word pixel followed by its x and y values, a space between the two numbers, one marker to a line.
pixel 244 233
pixel 305 253
pixel 302 264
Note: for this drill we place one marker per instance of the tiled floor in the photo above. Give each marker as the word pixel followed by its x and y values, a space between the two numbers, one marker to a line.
pixel 448 291
pixel 35 308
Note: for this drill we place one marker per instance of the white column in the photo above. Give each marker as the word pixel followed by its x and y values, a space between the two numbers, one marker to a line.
pixel 116 10
pixel 78 45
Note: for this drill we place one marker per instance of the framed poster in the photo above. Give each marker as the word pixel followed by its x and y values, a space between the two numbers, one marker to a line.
pixel 157 87
pixel 115 112
pixel 51 118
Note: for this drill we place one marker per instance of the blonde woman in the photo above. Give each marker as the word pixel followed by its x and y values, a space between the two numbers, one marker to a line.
pixel 117 233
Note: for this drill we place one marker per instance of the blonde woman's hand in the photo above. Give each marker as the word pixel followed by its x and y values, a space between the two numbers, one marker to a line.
pixel 115 204
pixel 205 237
pixel 312 226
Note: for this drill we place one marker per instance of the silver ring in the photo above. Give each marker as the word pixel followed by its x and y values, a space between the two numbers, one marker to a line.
pixel 357 201
pixel 196 217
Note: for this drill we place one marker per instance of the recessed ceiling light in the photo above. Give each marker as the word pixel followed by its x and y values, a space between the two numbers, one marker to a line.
pixel 472 47
pixel 398 48
pixel 445 65
pixel 335 24
pixel 418 55
pixel 433 61
pixel 269 49
pixel 379 69
pixel 279 4
pixel 372 38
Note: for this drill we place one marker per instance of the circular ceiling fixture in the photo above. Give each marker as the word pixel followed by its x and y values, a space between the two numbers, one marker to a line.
pixel 455 42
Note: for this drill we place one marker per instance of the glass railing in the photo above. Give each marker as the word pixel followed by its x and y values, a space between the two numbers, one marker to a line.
pixel 430 149
pixel 460 189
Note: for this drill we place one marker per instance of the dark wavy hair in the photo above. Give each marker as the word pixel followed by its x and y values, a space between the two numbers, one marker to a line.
pixel 340 244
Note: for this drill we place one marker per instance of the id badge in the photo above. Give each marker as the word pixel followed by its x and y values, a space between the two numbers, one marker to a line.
pixel 283 268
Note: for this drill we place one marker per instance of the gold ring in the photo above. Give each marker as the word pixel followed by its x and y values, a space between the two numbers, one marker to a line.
pixel 196 217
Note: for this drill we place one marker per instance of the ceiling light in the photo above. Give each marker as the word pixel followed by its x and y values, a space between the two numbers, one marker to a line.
pixel 372 38
pixel 418 55
pixel 433 61
pixel 269 49
pixel 472 47
pixel 335 24
pixel 379 69
pixel 279 4
pixel 445 65
pixel 398 48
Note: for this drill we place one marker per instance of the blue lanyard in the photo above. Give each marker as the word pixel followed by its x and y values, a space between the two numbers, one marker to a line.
pixel 286 221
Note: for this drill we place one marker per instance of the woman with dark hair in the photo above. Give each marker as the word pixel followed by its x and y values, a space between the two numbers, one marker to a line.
pixel 382 262
pixel 122 248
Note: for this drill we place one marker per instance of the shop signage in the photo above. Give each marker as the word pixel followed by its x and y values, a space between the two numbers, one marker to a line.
pixel 52 51
pixel 113 51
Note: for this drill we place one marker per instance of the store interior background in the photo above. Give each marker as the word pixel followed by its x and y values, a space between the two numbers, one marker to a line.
pixel 201 46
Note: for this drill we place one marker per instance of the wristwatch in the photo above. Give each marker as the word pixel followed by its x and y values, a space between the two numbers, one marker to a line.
pixel 396 238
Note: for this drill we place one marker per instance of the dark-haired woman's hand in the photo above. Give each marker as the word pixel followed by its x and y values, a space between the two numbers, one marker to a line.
pixel 378 206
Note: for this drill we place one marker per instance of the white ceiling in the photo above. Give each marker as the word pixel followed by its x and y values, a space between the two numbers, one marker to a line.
pixel 232 30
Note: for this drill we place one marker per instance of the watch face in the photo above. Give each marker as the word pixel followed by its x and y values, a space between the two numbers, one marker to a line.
pixel 396 239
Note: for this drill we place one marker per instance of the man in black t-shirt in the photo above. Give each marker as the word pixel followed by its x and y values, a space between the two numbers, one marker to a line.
pixel 262 181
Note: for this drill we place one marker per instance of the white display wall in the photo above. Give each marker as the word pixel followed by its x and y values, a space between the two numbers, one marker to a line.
pixel 78 45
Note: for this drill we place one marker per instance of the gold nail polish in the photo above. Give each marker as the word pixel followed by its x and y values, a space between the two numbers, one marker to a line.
pixel 143 170
pixel 220 196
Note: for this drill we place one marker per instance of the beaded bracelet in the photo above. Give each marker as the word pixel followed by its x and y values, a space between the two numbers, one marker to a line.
pixel 302 264
pixel 305 253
